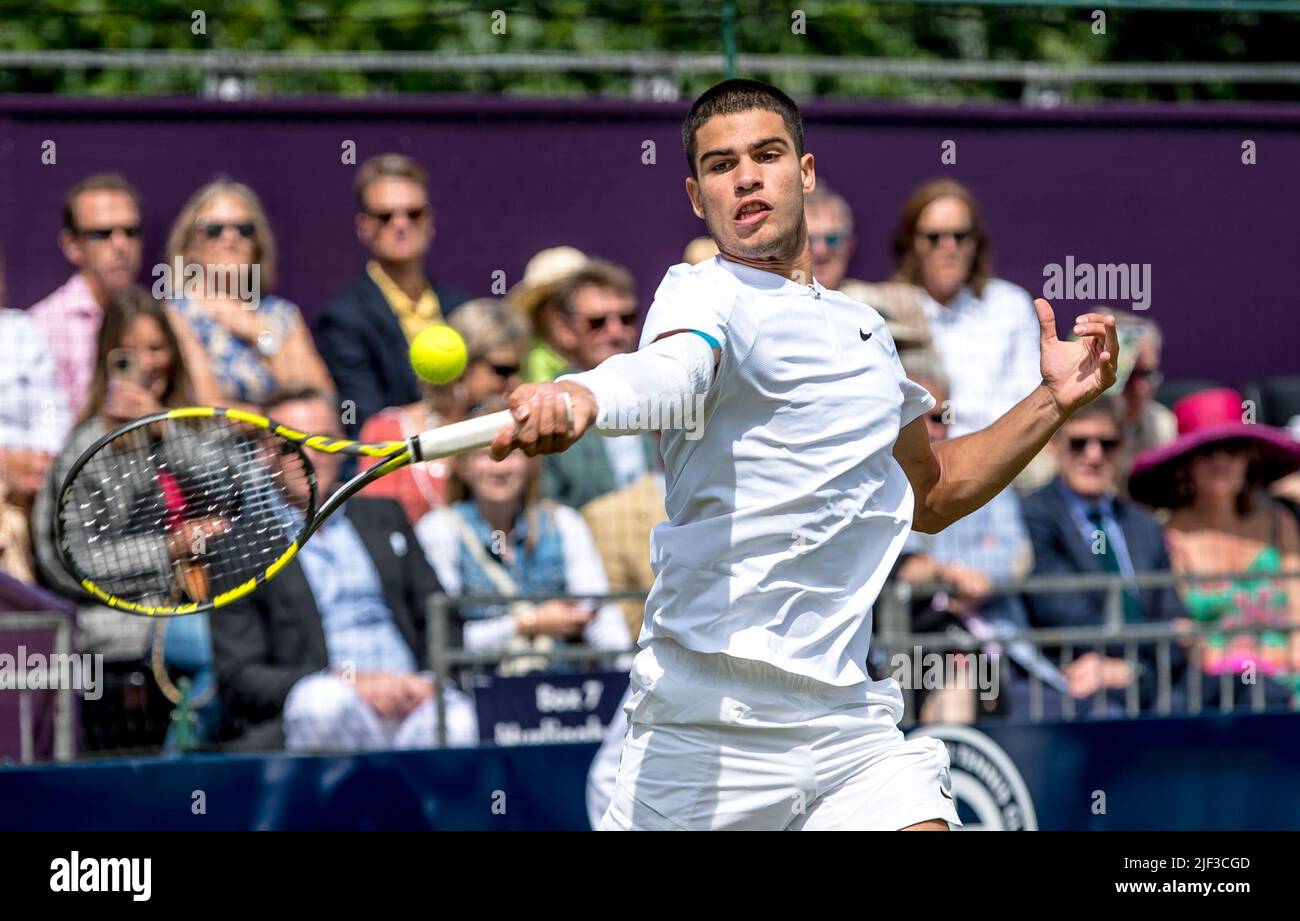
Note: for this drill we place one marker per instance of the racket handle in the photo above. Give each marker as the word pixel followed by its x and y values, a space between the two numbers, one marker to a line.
pixel 459 437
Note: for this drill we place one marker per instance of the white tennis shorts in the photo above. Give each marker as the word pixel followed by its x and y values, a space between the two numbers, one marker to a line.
pixel 716 742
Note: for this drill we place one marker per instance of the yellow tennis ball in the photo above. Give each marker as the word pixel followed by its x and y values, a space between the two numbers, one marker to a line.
pixel 438 354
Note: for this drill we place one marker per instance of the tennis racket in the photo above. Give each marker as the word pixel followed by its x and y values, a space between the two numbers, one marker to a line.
pixel 191 509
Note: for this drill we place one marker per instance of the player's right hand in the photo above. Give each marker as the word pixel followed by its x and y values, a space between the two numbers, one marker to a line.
pixel 548 418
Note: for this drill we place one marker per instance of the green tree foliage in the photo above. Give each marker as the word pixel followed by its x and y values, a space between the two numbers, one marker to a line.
pixel 834 28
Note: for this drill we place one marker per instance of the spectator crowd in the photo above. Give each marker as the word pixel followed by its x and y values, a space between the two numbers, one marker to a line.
pixel 334 653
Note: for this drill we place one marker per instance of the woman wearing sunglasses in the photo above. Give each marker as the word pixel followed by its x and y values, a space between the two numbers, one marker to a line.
pixel 496 339
pixel 257 343
pixel 984 328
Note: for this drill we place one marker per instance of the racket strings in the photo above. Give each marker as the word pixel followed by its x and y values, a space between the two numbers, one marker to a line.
pixel 185 509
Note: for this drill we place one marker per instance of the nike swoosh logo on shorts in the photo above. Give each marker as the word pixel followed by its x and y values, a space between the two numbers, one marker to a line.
pixel 865 336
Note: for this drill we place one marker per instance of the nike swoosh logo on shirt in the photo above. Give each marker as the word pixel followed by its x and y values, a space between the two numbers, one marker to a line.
pixel 865 336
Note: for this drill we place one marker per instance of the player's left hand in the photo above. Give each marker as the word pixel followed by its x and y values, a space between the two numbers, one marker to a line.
pixel 1077 372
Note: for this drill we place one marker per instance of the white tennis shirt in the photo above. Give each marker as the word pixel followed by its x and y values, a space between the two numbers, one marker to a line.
pixel 787 514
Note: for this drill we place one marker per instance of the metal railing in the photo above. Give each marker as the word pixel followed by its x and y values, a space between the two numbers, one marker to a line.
pixel 64 706
pixel 894 634
pixel 648 63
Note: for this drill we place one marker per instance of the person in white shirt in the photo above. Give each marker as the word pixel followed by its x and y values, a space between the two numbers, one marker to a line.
pixel 984 328
pixel 751 706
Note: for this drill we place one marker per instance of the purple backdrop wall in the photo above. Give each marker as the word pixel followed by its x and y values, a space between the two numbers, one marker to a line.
pixel 1158 185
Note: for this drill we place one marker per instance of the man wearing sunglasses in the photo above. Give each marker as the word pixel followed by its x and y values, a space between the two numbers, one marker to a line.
pixel 1078 524
pixel 101 238
pixel 830 236
pixel 375 318
pixel 595 318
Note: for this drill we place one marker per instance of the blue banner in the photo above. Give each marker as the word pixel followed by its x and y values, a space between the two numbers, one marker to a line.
pixel 547 708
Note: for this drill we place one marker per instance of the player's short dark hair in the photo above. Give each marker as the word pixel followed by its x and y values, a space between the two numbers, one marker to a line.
pixel 732 96
pixel 99 182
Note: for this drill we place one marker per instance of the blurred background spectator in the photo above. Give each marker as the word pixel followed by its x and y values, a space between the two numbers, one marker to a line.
pixel 1078 524
pixel 1286 490
pixel 496 338
pixel 33 420
pixel 332 655
pixel 1220 519
pixel 497 536
pixel 1147 422
pixel 256 343
pixel 699 250
pixel 985 329
pixel 139 368
pixel 365 331
pixel 535 299
pixel 101 240
pixel 595 317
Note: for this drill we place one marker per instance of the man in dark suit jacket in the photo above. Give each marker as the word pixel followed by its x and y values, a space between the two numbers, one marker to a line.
pixel 336 643
pixel 1078 525
pixel 363 333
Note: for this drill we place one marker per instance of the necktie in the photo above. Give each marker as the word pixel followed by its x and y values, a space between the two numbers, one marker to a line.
pixel 1110 563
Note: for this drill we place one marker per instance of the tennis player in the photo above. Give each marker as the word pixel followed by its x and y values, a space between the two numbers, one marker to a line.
pixel 750 703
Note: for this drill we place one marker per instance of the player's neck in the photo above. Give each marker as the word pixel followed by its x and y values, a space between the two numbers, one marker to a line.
pixel 798 269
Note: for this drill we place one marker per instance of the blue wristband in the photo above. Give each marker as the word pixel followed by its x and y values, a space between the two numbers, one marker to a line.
pixel 713 343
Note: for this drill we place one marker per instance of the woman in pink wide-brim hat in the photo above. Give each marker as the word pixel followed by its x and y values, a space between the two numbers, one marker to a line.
pixel 1212 479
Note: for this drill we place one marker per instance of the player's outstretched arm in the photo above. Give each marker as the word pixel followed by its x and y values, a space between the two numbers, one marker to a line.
pixel 627 393
pixel 953 478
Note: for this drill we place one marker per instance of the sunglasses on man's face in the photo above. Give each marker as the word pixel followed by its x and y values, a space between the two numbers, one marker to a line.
pixel 412 214
pixel 214 229
pixel 595 324
pixel 504 372
pixel 100 234
pixel 1150 375
pixel 934 237
pixel 1078 445
pixel 832 240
